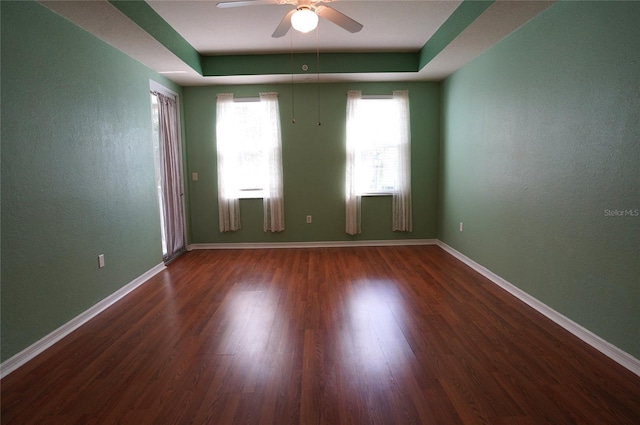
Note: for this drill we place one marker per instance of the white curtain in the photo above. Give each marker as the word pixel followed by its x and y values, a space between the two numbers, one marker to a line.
pixel 228 202
pixel 353 199
pixel 273 197
pixel 402 220
pixel 261 126
pixel 170 172
pixel 361 135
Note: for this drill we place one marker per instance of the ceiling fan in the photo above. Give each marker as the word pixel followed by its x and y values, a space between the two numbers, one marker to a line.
pixel 304 17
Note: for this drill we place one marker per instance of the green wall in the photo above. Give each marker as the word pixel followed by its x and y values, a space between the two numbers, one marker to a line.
pixel 541 142
pixel 313 165
pixel 77 172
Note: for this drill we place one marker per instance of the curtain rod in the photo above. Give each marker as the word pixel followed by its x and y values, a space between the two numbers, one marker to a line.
pixel 171 96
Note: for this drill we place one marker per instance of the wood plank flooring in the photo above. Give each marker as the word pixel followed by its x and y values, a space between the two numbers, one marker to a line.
pixel 380 335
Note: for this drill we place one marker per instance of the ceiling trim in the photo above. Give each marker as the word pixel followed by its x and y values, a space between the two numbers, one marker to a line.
pixel 151 22
pixel 148 19
pixel 460 19
pixel 326 63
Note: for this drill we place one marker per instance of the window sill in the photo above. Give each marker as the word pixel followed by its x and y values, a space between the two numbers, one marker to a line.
pixel 376 194
pixel 250 194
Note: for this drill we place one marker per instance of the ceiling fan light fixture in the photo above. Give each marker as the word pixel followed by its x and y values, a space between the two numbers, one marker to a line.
pixel 304 19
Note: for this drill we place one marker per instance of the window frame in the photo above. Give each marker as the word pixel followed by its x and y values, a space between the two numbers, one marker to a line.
pixel 249 193
pixel 381 192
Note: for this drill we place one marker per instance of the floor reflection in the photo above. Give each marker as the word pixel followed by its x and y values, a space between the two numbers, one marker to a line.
pixel 372 326
pixel 259 350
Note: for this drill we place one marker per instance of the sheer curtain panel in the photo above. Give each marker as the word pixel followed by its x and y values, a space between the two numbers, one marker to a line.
pixel 353 198
pixel 401 210
pixel 228 202
pixel 273 197
pixel 171 175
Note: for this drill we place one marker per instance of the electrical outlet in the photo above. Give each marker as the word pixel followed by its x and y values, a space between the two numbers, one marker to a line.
pixel 194 177
pixel 461 226
pixel 101 261
pixel 309 218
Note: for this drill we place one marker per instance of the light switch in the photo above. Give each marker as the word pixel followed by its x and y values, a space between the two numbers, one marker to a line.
pixel 194 177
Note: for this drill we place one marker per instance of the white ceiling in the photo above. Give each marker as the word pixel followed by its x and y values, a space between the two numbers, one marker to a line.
pixel 389 26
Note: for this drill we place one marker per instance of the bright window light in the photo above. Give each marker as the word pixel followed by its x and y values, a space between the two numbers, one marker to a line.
pixel 246 150
pixel 376 129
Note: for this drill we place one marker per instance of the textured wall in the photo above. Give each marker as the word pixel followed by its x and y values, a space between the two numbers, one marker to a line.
pixel 77 173
pixel 313 165
pixel 540 148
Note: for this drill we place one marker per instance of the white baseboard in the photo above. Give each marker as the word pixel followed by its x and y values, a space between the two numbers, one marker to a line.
pixel 321 244
pixel 16 361
pixel 623 358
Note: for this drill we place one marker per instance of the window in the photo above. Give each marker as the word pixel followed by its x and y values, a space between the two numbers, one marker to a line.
pixel 375 132
pixel 245 150
pixel 249 158
pixel 378 156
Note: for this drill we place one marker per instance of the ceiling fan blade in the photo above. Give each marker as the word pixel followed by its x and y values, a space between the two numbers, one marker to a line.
pixel 284 25
pixel 338 18
pixel 228 4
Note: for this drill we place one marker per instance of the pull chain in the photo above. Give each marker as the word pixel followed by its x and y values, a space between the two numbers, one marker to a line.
pixel 293 102
pixel 318 69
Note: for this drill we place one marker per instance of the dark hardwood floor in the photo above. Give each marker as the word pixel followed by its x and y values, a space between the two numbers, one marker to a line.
pixel 388 335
